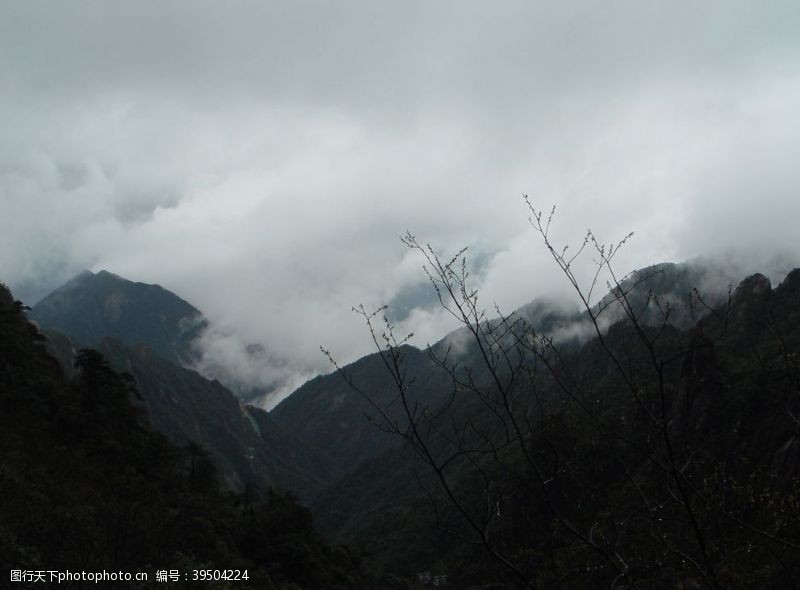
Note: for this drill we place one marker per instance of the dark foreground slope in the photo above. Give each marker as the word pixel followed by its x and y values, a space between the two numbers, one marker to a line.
pixel 611 503
pixel 86 485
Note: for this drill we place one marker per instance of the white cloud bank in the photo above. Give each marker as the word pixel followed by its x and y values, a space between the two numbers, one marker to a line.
pixel 261 159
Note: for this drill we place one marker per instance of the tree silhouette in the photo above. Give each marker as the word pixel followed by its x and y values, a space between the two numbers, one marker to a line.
pixel 607 462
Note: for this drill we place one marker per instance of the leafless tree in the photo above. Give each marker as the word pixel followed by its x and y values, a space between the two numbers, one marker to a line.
pixel 511 401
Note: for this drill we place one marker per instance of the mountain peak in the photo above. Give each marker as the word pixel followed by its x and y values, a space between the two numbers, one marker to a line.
pixel 753 286
pixel 92 306
pixel 108 275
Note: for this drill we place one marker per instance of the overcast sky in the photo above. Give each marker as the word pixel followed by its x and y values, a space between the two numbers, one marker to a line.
pixel 261 158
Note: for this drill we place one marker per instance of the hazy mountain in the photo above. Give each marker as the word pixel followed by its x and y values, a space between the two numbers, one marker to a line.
pixel 147 331
pixel 329 414
pixel 248 446
pixel 728 386
pixel 92 307
pixel 86 483
pixel 733 398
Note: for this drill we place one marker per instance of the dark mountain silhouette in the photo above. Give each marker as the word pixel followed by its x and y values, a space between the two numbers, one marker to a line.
pixel 147 331
pixel 327 413
pixel 87 485
pixel 91 307
pixel 733 398
pixel 720 383
pixel 249 447
pixel 330 415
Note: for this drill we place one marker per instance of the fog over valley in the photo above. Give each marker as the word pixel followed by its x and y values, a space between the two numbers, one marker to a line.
pixel 262 165
pixel 302 295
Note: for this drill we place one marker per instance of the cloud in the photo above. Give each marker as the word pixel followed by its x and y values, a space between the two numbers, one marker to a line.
pixel 257 375
pixel 262 160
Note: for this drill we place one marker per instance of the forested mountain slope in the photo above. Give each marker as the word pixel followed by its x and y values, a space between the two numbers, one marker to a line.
pixel 328 413
pixel 249 447
pixel 87 485
pixel 677 467
pixel 147 331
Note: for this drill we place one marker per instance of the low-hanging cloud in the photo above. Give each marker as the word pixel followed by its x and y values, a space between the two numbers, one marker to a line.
pixel 254 373
pixel 261 160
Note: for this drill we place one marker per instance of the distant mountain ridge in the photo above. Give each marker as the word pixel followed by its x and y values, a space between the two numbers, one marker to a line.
pixel 147 331
pixel 325 413
pixel 364 484
pixel 87 484
pixel 93 306
pixel 734 398
pixel 329 414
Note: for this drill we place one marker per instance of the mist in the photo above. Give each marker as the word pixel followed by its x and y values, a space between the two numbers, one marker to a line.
pixel 262 160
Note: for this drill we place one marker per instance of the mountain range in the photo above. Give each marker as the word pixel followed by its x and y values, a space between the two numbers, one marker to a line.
pixel 93 494
pixel 396 460
pixel 148 332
